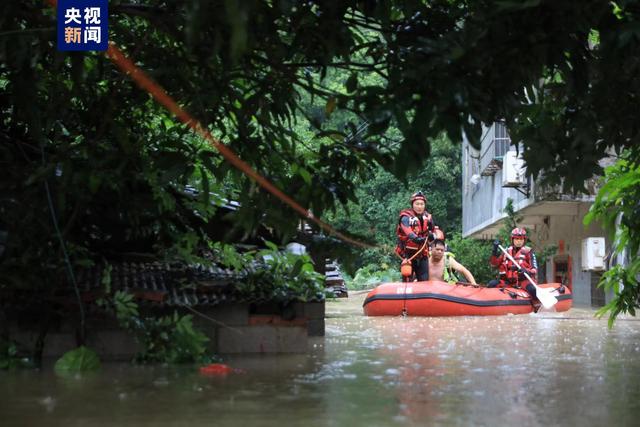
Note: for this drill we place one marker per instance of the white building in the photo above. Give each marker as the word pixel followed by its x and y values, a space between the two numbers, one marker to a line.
pixel 493 175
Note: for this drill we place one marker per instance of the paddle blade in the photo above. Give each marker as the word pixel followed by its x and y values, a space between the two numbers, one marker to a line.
pixel 546 299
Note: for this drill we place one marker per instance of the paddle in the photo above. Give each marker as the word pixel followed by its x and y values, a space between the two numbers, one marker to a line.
pixel 542 294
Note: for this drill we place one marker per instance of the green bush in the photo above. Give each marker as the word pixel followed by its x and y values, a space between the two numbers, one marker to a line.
pixel 166 339
pixel 171 339
pixel 10 357
pixel 474 255
pixel 285 277
pixel 372 275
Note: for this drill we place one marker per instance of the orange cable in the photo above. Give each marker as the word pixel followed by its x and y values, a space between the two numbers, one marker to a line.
pixel 414 255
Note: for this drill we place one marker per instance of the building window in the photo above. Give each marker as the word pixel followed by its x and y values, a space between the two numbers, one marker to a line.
pixel 501 139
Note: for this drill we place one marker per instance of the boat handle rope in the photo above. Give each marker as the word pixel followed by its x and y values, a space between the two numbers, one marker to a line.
pixel 404 299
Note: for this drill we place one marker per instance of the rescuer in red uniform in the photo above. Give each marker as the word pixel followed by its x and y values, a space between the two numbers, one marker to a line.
pixel 415 227
pixel 511 274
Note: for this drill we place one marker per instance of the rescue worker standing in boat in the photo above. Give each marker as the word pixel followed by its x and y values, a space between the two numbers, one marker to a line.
pixel 510 273
pixel 415 227
pixel 442 264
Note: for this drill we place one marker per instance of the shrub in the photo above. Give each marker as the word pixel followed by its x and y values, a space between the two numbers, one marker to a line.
pixel 372 275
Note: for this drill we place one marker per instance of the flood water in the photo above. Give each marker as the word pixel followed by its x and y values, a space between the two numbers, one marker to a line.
pixel 541 369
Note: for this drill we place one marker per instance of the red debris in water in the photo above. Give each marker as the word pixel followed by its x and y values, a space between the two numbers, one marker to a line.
pixel 218 369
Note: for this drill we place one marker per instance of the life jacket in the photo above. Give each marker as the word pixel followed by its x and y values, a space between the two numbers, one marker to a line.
pixel 419 225
pixel 448 274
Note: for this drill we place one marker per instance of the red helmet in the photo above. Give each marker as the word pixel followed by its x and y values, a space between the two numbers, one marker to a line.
pixel 518 232
pixel 439 235
pixel 418 196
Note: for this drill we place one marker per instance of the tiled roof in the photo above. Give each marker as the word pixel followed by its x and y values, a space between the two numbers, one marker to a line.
pixel 174 284
pixel 166 284
pixel 170 284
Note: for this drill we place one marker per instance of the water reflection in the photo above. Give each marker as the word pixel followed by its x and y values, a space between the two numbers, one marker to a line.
pixel 531 370
pixel 528 370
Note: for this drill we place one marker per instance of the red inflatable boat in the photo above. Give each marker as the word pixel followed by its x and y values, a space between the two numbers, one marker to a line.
pixel 434 298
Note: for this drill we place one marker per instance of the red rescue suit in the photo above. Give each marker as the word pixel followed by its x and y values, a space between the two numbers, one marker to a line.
pixel 509 275
pixel 412 231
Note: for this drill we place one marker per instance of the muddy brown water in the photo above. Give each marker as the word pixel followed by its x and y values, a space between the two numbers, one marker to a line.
pixel 542 369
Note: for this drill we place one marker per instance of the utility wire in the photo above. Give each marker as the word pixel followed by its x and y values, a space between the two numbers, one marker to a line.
pixel 67 261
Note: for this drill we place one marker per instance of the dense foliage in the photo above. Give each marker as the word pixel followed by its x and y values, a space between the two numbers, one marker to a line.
pixel 617 206
pixel 167 339
pixel 92 165
pixel 381 196
pixel 371 275
pixel 287 277
pixel 474 255
pixel 171 339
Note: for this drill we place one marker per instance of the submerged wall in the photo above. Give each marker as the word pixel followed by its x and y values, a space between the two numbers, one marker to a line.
pixel 231 328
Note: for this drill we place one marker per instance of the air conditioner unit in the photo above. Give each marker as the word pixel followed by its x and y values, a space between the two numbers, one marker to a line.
pixel 513 171
pixel 593 253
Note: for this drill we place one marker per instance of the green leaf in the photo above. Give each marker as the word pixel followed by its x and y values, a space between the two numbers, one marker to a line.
pixel 168 123
pixel 204 178
pixel 82 359
pixel 205 158
pixel 271 245
pixel 333 134
pixel 306 176
pixel 297 267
